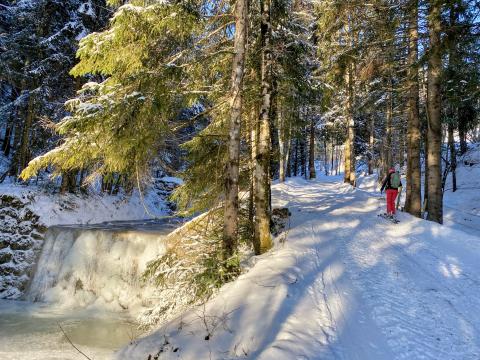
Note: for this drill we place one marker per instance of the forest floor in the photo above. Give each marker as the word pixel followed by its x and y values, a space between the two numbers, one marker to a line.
pixel 341 284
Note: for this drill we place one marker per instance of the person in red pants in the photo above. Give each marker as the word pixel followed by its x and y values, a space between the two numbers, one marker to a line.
pixel 391 183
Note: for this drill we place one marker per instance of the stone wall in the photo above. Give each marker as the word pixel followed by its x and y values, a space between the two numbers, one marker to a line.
pixel 21 239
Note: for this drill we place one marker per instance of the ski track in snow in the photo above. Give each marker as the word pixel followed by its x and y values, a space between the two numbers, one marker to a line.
pixel 346 285
pixel 420 296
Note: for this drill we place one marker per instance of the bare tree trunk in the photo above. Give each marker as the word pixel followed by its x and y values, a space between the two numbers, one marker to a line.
pixel 253 155
pixel 401 146
pixel 371 146
pixel 303 156
pixel 23 151
pixel 311 153
pixel 462 134
pixel 388 127
pixel 452 62
pixel 413 203
pixel 289 157
pixel 435 195
pixel 340 159
pixel 295 163
pixel 351 130
pixel 263 240
pixel 283 143
pixel 453 157
pixel 325 150
pixel 347 157
pixel 287 154
pixel 337 161
pixel 331 158
pixel 230 226
pixel 6 145
pixel 425 175
pixel 69 182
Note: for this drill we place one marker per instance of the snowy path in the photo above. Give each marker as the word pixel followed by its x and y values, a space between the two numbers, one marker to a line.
pixel 346 285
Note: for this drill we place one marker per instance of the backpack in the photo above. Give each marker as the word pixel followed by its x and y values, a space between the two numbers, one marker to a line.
pixel 395 180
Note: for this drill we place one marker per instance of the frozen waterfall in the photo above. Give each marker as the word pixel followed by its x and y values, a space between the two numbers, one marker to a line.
pixel 98 266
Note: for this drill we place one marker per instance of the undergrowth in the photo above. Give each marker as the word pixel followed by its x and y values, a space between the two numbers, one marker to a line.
pixel 193 267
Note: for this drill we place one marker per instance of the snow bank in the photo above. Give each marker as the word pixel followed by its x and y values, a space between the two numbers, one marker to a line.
pixel 462 207
pixel 57 209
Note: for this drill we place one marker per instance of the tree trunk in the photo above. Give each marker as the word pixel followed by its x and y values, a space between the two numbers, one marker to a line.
pixel 388 127
pixel 347 155
pixel 6 146
pixel 413 203
pixel 350 144
pixel 435 195
pixel 23 151
pixel 230 226
pixel 295 162
pixel 69 182
pixel 283 143
pixel 253 155
pixel 331 158
pixel 303 156
pixel 371 146
pixel 462 134
pixel 263 240
pixel 401 146
pixel 289 158
pixel 326 156
pixel 453 157
pixel 425 175
pixel 311 152
pixel 452 63
pixel 340 159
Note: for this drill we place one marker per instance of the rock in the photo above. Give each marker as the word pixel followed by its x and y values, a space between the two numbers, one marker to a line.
pixel 23 243
pixel 24 256
pixel 5 255
pixel 21 239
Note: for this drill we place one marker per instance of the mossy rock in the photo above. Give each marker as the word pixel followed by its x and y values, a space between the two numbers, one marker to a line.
pixel 22 243
pixel 5 256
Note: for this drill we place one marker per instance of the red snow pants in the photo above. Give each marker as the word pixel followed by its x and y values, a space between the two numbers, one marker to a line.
pixel 391 196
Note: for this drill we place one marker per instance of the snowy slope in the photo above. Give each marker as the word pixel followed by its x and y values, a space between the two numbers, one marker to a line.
pixel 461 209
pixel 57 209
pixel 345 285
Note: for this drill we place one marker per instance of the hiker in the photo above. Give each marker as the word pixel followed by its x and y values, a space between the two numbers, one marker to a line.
pixel 391 183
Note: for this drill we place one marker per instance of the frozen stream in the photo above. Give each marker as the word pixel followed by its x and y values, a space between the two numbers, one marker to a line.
pixel 31 331
pixel 86 282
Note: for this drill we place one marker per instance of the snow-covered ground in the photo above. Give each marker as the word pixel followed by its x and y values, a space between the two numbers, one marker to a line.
pixel 57 209
pixel 461 209
pixel 344 284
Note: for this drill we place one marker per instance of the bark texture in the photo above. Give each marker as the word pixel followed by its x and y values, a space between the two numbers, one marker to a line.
pixel 435 194
pixel 262 238
pixel 413 203
pixel 230 228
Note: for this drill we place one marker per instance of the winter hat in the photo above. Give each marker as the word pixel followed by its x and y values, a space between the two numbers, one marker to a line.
pixel 392 170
